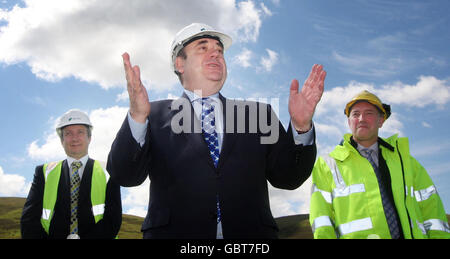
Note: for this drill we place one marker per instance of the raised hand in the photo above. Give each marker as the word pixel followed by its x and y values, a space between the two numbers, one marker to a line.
pixel 139 103
pixel 303 104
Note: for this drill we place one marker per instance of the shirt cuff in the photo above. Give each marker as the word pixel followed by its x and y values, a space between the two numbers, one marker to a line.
pixel 305 139
pixel 138 130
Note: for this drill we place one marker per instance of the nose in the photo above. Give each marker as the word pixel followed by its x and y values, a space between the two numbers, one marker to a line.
pixel 361 117
pixel 214 53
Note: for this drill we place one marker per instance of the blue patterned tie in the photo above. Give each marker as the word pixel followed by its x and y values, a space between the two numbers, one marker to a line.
pixel 389 209
pixel 209 129
pixel 74 194
pixel 210 135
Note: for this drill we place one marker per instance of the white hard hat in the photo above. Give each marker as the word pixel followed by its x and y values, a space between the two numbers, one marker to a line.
pixel 73 117
pixel 196 30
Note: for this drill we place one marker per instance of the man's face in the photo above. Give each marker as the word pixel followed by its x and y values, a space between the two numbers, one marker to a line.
pixel 364 122
pixel 75 140
pixel 204 67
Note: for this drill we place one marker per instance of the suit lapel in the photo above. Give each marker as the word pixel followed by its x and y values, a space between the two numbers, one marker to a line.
pixel 64 187
pixel 229 138
pixel 192 133
pixel 86 182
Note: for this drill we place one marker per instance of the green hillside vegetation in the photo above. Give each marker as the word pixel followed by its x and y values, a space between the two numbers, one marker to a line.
pixel 291 227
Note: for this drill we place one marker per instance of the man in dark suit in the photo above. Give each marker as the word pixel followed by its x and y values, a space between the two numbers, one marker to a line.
pixel 209 158
pixel 76 201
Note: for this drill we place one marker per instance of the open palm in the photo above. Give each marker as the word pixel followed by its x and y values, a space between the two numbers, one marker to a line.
pixel 302 104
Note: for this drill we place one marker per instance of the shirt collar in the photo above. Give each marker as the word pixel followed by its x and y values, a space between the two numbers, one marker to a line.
pixel 374 148
pixel 83 160
pixel 193 96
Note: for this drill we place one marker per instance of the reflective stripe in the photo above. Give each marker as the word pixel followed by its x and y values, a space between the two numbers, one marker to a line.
pixel 322 221
pixel 98 209
pixel 424 194
pixel 46 214
pixel 436 224
pixel 356 188
pixel 421 227
pixel 338 180
pixel 326 195
pixel 354 226
pixel 341 190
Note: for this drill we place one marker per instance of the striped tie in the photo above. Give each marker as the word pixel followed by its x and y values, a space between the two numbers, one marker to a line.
pixel 74 193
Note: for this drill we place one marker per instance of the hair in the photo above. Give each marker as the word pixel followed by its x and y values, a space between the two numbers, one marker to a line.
pixel 183 55
pixel 60 131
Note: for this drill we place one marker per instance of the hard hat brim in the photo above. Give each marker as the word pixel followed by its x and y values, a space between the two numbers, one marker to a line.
pixel 380 107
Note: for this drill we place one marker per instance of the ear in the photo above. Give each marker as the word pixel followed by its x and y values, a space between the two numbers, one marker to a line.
pixel 381 121
pixel 179 64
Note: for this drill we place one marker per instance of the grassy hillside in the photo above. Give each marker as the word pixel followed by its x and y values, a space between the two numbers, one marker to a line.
pixel 291 227
pixel 11 211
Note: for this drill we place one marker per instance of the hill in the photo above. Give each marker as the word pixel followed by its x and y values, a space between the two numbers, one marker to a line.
pixel 11 210
pixel 291 227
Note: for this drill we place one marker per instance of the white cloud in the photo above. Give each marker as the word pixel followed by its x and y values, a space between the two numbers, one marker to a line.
pixel 287 202
pixel 427 91
pixel 85 39
pixel 136 199
pixel 268 62
pixel 426 124
pixel 49 151
pixel 13 184
pixel 243 59
pixel 247 20
pixel 266 10
pixel 106 123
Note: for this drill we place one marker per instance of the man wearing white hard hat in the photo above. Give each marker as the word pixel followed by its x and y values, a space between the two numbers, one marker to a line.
pixel 206 156
pixel 73 198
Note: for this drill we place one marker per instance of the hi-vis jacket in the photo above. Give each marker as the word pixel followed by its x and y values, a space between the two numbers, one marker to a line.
pixel 346 201
pixel 52 173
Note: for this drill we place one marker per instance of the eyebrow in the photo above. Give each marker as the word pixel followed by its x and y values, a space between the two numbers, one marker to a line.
pixel 205 41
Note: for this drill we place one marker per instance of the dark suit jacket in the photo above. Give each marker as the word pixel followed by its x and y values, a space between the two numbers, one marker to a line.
pixel 108 227
pixel 184 181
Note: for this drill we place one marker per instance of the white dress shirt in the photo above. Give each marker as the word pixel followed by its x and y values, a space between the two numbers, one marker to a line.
pixel 83 161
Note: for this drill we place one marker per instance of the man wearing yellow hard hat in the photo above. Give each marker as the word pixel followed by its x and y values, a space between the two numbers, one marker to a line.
pixel 371 187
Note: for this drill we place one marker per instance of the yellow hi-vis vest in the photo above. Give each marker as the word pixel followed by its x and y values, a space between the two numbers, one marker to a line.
pixel 52 174
pixel 346 201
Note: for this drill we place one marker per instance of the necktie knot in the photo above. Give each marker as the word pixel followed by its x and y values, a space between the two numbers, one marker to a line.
pixel 76 165
pixel 207 105
pixel 366 152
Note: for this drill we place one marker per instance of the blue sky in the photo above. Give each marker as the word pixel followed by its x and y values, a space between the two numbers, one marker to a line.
pixel 59 55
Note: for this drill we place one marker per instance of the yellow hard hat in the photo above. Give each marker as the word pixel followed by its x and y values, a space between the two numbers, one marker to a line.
pixel 369 97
